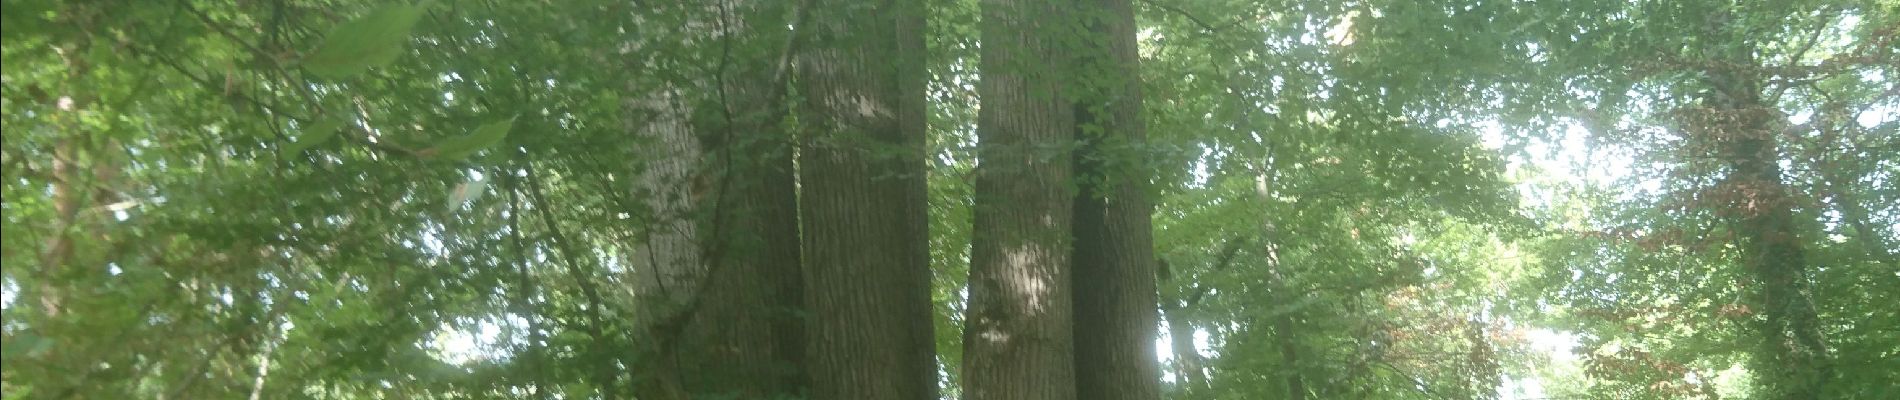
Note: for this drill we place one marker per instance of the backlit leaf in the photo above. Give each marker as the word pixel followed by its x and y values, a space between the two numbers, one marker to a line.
pixel 314 135
pixel 461 147
pixel 375 39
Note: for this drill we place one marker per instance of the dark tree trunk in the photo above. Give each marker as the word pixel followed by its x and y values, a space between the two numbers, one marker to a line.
pixel 1792 359
pixel 1114 275
pixel 1018 342
pixel 865 228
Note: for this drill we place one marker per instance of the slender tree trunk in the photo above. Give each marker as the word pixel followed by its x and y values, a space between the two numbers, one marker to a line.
pixel 263 364
pixel 1285 329
pixel 606 370
pixel 1019 341
pixel 1114 274
pixel 1285 337
pixel 717 274
pixel 67 200
pixel 865 228
pixel 1189 367
pixel 1188 364
pixel 533 357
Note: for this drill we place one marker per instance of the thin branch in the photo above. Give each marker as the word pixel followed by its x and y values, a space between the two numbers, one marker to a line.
pixel 220 29
pixel 1227 254
pixel 1210 28
pixel 525 302
pixel 609 374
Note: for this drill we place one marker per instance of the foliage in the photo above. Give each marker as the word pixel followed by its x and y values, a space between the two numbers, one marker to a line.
pixel 347 199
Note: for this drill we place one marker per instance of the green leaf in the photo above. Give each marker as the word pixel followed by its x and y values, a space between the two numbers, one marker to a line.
pixel 467 192
pixel 315 135
pixel 375 39
pixel 27 344
pixel 461 147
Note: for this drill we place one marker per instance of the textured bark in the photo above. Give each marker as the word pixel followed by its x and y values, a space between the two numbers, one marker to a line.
pixel 1018 342
pixel 865 228
pixel 1792 360
pixel 716 272
pixel 1114 274
pixel 667 269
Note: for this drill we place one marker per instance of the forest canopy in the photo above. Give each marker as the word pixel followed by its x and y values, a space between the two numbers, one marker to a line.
pixel 950 199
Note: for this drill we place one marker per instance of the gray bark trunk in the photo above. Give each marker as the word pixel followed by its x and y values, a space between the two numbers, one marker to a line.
pixel 716 272
pixel 1018 342
pixel 865 228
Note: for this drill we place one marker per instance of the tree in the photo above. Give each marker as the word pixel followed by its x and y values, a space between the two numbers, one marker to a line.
pixel 1468 199
pixel 1742 131
pixel 718 267
pixel 1113 253
pixel 862 177
pixel 1018 341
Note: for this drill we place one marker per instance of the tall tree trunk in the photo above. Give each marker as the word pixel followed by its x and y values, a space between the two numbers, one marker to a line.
pixel 1114 274
pixel 606 369
pixel 67 201
pixel 1189 373
pixel 1285 338
pixel 1285 329
pixel 1793 356
pixel 717 273
pixel 865 228
pixel 1019 341
pixel 667 268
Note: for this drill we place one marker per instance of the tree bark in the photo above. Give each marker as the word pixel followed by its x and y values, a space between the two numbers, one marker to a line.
pixel 717 270
pixel 1114 274
pixel 1018 342
pixel 667 268
pixel 865 229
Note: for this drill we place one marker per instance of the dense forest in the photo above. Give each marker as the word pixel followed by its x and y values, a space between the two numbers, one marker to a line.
pixel 950 199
